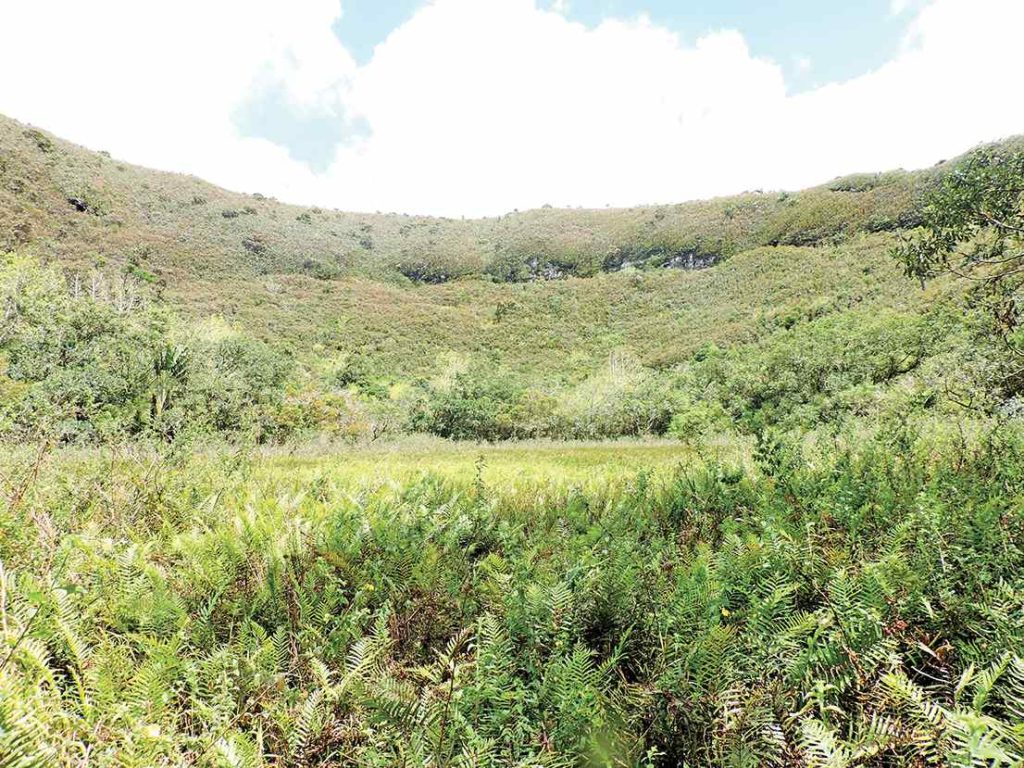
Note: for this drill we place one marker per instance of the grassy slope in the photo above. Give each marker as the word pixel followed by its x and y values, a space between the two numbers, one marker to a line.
pixel 662 316
pixel 178 226
pixel 802 255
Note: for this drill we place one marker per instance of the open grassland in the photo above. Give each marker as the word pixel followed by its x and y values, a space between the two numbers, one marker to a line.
pixel 290 487
pixel 501 466
pixel 845 601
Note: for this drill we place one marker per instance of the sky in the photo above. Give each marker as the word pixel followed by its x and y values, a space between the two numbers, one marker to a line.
pixel 480 107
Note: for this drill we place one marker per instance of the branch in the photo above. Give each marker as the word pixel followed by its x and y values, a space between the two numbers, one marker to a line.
pixel 1000 224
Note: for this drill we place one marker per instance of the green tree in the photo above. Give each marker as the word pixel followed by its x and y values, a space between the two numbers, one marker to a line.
pixel 475 405
pixel 973 227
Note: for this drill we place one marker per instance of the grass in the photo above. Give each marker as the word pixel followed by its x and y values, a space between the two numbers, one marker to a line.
pixel 607 604
pixel 565 327
pixel 180 228
pixel 501 466
pixel 326 284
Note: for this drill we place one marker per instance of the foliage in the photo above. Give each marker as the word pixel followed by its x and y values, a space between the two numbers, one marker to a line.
pixel 975 220
pixel 829 606
pixel 471 405
pixel 823 567
pixel 88 359
pixel 973 228
pixel 821 371
pixel 623 399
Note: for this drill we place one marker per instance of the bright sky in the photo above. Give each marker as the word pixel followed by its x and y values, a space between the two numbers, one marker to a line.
pixel 477 107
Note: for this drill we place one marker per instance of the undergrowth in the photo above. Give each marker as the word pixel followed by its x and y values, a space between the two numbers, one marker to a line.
pixel 851 602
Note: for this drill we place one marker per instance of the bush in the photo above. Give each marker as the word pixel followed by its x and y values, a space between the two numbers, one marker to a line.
pixel 623 399
pixel 807 373
pixel 694 420
pixel 321 270
pixel 82 360
pixel 91 366
pixel 234 383
pixel 474 405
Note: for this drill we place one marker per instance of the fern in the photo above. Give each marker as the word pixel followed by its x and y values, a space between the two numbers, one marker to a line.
pixel 19 747
pixel 306 725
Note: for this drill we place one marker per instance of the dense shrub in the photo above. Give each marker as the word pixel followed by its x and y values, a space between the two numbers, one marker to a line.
pixel 812 372
pixel 233 381
pixel 88 359
pixel 472 405
pixel 860 596
pixel 624 398
pixel 91 356
pixel 80 354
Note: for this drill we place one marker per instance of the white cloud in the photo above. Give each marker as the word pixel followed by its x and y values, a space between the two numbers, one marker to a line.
pixel 479 107
pixel 900 7
pixel 156 83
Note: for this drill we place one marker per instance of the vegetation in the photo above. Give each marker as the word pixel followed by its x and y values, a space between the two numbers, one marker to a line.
pixel 75 206
pixel 91 359
pixel 709 484
pixel 974 221
pixel 830 605
pixel 974 228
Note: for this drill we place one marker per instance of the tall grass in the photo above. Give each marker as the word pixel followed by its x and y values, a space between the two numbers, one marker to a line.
pixel 837 603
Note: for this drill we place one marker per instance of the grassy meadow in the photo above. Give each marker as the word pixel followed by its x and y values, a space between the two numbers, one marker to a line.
pixel 498 465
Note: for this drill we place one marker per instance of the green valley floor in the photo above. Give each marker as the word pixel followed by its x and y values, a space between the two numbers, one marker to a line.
pixel 851 600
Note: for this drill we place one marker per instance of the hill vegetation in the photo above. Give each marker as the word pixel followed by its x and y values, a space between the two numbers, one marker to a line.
pixel 79 206
pixel 552 323
pixel 730 483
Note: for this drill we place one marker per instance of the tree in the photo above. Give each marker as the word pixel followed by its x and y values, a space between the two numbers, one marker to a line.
pixel 973 227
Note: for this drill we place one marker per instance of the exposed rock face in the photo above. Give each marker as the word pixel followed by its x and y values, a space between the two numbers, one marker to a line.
pixel 690 260
pixel 423 273
pixel 255 245
pixel 545 270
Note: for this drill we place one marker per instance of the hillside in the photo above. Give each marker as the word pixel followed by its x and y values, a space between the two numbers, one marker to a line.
pixel 540 314
pixel 247 257
pixel 75 204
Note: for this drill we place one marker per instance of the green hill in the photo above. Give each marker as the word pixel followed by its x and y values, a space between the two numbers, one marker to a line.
pixel 542 309
pixel 820 564
pixel 76 204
